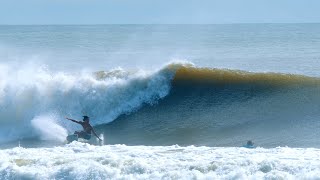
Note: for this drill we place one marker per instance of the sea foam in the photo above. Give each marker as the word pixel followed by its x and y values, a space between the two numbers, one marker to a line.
pixel 84 161
pixel 31 96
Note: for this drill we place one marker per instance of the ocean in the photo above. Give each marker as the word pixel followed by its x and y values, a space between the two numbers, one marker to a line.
pixel 169 101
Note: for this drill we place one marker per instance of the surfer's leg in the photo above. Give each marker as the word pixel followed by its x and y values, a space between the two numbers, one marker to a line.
pixel 81 134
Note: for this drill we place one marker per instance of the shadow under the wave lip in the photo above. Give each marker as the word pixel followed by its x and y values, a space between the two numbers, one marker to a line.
pixel 224 115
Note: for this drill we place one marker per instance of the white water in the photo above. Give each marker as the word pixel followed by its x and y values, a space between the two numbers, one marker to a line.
pixel 34 100
pixel 83 161
pixel 48 128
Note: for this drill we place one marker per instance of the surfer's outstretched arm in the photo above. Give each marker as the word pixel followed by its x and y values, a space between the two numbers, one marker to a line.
pixel 73 120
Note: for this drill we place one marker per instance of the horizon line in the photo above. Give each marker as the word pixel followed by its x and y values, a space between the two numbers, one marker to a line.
pixel 102 24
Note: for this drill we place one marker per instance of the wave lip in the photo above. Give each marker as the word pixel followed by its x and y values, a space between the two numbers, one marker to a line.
pixel 226 76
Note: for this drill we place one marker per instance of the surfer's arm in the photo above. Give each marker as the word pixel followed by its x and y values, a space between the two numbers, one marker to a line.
pixel 94 132
pixel 73 120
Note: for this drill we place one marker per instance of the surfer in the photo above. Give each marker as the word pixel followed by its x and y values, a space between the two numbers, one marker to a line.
pixel 87 128
pixel 249 144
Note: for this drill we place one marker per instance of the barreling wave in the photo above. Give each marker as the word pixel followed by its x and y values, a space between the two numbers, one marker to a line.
pixel 221 107
pixel 177 104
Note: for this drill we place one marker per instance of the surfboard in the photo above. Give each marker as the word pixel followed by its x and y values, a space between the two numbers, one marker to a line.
pixel 72 137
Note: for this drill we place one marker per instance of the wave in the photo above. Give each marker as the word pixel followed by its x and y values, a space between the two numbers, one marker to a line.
pixel 221 107
pixel 176 104
pixel 32 98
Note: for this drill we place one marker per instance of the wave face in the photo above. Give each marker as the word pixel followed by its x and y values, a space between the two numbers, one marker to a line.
pixel 217 107
pixel 34 101
pixel 177 104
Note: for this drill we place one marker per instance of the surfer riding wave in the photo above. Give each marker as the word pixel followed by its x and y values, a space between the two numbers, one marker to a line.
pixel 87 128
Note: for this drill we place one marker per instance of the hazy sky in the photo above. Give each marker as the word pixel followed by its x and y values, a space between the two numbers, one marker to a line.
pixel 157 11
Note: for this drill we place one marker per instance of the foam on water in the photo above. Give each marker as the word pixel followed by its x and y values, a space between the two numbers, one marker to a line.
pixel 48 128
pixel 83 161
pixel 33 98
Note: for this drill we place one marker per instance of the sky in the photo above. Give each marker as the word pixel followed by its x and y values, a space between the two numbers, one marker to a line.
pixel 158 11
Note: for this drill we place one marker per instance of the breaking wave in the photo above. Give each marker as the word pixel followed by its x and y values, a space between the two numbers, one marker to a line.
pixel 221 107
pixel 176 104
pixel 32 98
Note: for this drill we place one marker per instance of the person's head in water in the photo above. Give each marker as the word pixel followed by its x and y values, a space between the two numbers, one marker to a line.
pixel 86 118
pixel 249 143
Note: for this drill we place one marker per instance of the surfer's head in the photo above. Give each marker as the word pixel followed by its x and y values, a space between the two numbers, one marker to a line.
pixel 86 118
pixel 250 143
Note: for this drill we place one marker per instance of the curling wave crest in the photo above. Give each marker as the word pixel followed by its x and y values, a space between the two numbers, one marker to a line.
pixel 34 100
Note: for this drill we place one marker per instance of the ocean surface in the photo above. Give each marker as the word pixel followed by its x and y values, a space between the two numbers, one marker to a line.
pixel 170 101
